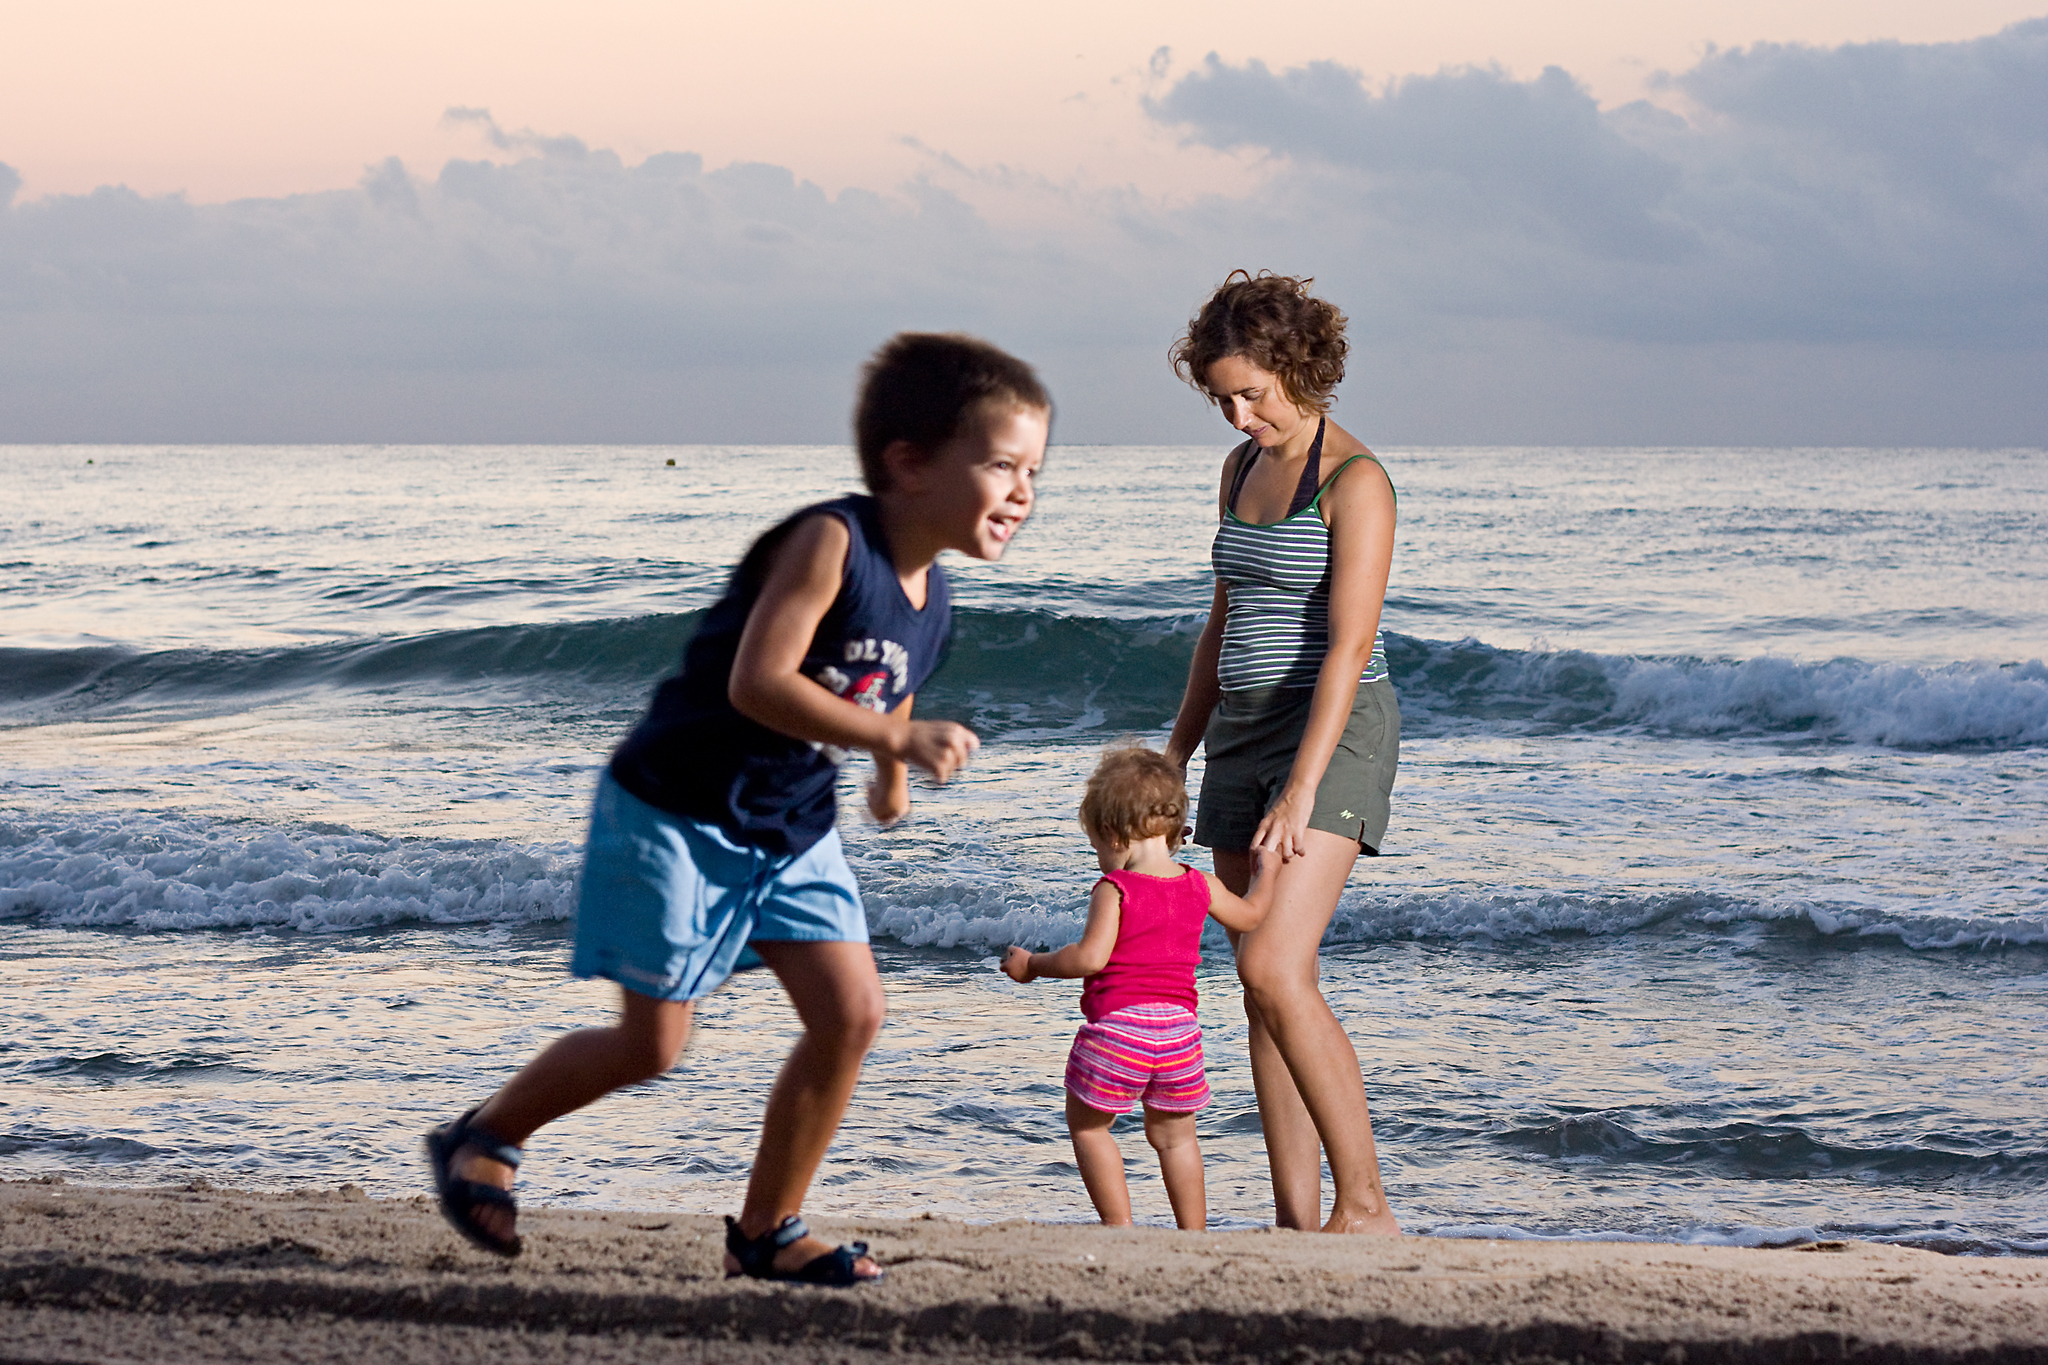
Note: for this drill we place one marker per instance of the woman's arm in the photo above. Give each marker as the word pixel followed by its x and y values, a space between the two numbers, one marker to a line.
pixel 1085 958
pixel 1359 508
pixel 1198 699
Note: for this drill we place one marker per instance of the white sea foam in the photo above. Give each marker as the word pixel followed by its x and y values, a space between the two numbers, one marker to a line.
pixel 1514 913
pixel 166 874
pixel 1886 704
pixel 1708 1237
pixel 1891 705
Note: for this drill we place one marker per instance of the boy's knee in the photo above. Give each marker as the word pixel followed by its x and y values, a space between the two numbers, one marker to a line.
pixel 649 1056
pixel 858 1020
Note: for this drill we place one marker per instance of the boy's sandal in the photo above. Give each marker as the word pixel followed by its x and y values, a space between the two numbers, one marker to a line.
pixel 460 1199
pixel 756 1255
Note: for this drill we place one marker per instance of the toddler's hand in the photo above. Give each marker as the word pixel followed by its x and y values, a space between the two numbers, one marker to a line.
pixel 1017 964
pixel 938 746
pixel 1263 863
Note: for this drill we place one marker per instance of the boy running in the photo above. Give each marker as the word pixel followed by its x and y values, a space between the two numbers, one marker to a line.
pixel 712 845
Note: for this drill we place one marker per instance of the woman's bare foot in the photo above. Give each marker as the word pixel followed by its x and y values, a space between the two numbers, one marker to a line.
pixel 1363 1219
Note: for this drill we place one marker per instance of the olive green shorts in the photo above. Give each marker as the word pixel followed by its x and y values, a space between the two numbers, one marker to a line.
pixel 1252 739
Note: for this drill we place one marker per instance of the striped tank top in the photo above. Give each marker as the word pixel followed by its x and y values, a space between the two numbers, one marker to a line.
pixel 1277 576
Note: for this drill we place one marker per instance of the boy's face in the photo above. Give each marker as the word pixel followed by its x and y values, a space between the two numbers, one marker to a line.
pixel 981 484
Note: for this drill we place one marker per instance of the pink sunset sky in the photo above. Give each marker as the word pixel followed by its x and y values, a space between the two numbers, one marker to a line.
pixel 1587 220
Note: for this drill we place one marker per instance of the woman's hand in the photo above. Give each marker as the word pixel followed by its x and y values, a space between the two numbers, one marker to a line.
pixel 1017 964
pixel 1282 831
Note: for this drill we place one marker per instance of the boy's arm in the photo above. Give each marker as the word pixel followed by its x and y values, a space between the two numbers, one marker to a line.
pixel 889 792
pixel 768 686
pixel 1085 958
pixel 1241 914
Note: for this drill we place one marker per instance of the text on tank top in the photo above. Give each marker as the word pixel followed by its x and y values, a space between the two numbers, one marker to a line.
pixel 1276 626
pixel 1158 944
pixel 695 755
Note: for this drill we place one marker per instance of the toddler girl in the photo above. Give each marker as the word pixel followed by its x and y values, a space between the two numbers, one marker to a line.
pixel 1138 955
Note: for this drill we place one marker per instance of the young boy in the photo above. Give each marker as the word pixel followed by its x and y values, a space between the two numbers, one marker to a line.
pixel 712 845
pixel 1138 953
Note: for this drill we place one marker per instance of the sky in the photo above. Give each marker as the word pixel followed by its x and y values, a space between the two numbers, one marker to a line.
pixel 1586 222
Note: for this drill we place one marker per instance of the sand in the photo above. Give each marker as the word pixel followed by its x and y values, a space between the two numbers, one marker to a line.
pixel 201 1275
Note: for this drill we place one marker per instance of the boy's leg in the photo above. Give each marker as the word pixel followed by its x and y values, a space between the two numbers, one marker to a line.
pixel 1102 1165
pixel 838 996
pixel 1180 1164
pixel 573 1071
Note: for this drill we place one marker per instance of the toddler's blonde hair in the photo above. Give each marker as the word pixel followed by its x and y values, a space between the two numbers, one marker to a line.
pixel 1136 793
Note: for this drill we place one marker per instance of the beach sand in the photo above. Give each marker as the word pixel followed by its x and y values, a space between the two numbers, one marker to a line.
pixel 202 1275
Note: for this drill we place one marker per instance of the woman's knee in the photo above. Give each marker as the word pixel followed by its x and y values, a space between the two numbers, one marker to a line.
pixel 1264 984
pixel 1270 992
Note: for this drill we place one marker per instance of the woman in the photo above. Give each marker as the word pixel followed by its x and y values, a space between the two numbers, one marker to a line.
pixel 1289 692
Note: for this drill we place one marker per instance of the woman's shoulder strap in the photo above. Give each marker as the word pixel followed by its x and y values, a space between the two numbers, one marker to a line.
pixel 1331 482
pixel 1246 456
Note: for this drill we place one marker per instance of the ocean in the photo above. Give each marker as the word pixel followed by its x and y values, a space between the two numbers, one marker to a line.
pixel 1714 907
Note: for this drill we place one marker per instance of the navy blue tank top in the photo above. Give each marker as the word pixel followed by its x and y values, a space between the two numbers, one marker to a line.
pixel 695 755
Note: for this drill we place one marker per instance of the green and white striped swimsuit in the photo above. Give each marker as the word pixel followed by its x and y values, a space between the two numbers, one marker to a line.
pixel 1277 576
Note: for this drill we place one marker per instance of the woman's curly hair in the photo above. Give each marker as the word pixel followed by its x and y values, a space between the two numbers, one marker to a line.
pixel 1274 322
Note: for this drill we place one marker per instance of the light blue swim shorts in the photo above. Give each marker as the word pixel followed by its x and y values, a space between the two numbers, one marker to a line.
pixel 669 904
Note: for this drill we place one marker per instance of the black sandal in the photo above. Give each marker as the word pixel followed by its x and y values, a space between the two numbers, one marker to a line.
pixel 756 1256
pixel 460 1199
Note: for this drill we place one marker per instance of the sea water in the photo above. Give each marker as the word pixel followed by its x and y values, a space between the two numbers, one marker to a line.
pixel 1714 908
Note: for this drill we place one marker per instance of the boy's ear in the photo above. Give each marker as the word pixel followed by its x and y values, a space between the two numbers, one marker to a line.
pixel 906 464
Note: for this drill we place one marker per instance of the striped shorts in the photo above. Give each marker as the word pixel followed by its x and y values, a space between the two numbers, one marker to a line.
pixel 1151 1053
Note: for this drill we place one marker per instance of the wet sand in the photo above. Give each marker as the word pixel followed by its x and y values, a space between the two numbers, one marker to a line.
pixel 202 1275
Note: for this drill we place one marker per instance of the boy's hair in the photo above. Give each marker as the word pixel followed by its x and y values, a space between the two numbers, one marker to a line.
pixel 923 387
pixel 1274 322
pixel 1135 793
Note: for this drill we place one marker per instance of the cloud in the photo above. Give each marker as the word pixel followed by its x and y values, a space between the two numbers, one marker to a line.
pixel 563 293
pixel 1829 245
pixel 1869 193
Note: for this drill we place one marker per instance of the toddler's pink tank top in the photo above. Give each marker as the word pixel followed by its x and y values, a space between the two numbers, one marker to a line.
pixel 1158 943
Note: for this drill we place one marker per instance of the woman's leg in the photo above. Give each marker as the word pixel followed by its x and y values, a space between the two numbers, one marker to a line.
pixel 838 996
pixel 1102 1165
pixel 1304 1068
pixel 576 1069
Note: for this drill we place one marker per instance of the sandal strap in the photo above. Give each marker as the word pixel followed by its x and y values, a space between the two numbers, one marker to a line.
pixel 467 1134
pixel 756 1255
pixel 476 1192
pixel 835 1267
